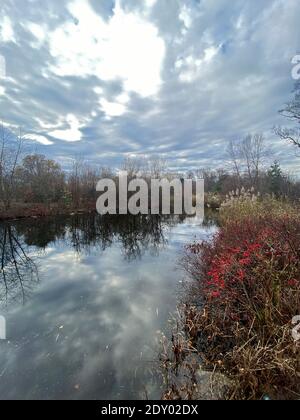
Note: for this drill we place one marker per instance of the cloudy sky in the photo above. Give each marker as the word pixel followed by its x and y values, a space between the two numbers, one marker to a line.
pixel 179 78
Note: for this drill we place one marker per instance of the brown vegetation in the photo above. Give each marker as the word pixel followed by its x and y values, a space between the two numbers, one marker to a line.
pixel 237 317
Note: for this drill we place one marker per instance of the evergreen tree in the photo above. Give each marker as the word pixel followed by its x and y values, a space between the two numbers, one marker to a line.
pixel 276 177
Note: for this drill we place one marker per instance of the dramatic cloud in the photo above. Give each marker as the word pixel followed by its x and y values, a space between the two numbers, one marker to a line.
pixel 178 78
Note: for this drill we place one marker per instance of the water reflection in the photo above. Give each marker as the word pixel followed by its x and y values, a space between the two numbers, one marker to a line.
pixel 83 232
pixel 106 286
pixel 18 272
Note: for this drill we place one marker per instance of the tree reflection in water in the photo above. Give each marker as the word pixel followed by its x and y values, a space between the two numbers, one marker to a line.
pixel 136 234
pixel 18 272
pixel 84 233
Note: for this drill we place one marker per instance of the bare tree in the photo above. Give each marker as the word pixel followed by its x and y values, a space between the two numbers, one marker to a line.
pixel 106 172
pixel 157 166
pixel 292 113
pixel 247 157
pixel 74 181
pixel 134 166
pixel 10 155
pixel 90 175
pixel 83 179
pixel 254 153
pixel 292 135
pixel 234 154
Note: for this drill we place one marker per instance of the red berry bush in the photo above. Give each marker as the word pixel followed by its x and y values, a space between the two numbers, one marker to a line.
pixel 244 293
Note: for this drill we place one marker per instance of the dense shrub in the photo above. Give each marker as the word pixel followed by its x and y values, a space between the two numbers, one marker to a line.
pixel 244 295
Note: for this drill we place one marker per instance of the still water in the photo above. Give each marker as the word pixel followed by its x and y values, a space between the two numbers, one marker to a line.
pixel 84 299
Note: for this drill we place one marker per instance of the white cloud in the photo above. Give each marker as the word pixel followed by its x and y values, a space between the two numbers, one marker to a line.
pixel 6 30
pixel 117 108
pixel 127 47
pixel 38 138
pixel 210 53
pixel 186 16
pixel 2 67
pixel 47 126
pixel 191 67
pixel 217 71
pixel 112 109
pixel 72 134
pixel 150 3
pixel 38 31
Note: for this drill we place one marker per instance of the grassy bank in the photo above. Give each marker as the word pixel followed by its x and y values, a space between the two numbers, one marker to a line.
pixel 236 318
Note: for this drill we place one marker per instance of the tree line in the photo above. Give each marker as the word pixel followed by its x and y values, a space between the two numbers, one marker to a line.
pixel 33 178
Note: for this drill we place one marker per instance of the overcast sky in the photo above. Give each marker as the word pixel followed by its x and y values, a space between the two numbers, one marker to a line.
pixel 179 78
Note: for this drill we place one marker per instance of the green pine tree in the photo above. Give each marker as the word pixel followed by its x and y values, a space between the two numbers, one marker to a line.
pixel 276 178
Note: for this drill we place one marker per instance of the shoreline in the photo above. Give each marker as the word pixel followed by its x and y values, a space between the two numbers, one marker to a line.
pixel 39 211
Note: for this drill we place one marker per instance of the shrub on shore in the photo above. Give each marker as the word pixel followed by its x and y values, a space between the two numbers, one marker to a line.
pixel 244 294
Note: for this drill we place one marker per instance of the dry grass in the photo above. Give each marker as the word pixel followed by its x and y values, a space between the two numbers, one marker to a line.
pixel 237 316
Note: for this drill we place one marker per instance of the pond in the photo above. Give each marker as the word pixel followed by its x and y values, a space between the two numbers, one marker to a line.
pixel 85 298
